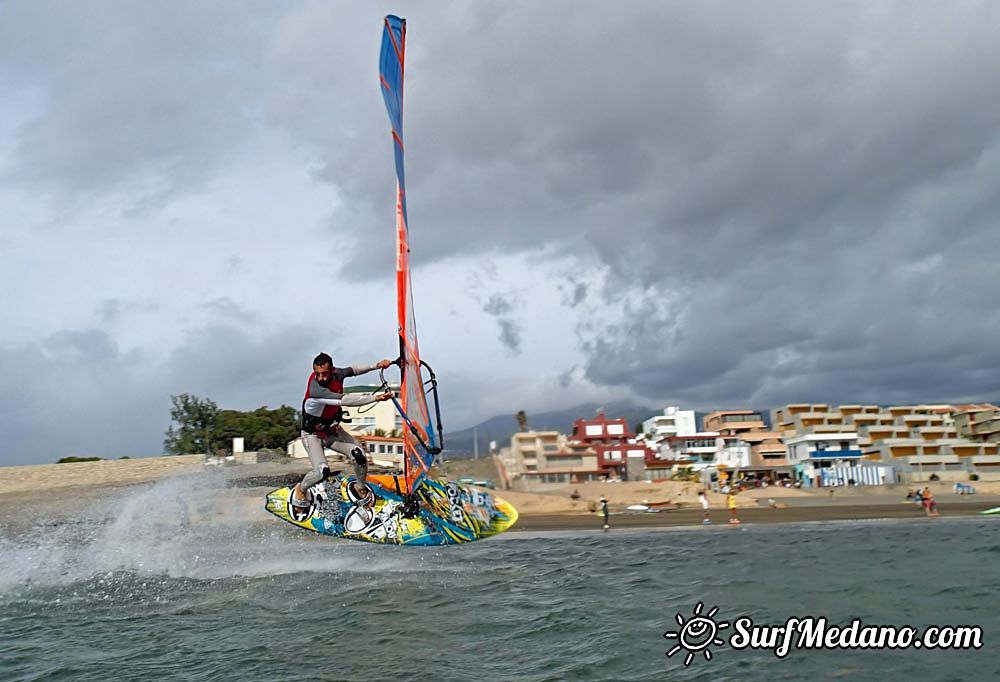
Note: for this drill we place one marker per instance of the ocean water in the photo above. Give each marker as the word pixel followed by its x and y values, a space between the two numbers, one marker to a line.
pixel 155 590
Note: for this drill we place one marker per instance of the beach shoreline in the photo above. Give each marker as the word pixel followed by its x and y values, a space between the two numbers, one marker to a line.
pixel 55 493
pixel 692 518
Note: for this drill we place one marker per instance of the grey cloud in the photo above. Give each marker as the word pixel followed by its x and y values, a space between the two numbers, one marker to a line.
pixel 780 202
pixel 565 379
pixel 227 309
pixel 498 305
pixel 78 393
pixel 790 334
pixel 501 307
pixel 114 309
pixel 510 334
pixel 573 292
pixel 146 100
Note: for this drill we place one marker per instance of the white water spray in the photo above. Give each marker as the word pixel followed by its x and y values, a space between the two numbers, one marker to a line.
pixel 187 527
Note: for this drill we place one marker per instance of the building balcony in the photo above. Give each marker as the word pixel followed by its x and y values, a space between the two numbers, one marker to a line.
pixel 834 454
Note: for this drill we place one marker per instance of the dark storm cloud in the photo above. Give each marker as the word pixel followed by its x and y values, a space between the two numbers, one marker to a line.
pixel 876 333
pixel 767 201
pixel 790 173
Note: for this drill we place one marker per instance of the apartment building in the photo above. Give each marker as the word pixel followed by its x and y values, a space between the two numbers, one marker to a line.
pixel 918 441
pixel 978 422
pixel 550 457
pixel 767 451
pixel 696 450
pixel 599 448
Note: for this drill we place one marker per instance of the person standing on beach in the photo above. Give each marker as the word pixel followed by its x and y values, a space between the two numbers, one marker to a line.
pixel 604 510
pixel 703 498
pixel 929 504
pixel 322 410
pixel 731 502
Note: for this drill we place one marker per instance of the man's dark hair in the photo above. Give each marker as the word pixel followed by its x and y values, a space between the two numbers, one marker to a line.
pixel 322 359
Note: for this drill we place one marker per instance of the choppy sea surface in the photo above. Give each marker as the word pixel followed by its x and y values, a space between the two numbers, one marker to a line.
pixel 154 592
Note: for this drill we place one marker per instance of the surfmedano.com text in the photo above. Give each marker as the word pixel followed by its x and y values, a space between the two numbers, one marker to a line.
pixel 817 633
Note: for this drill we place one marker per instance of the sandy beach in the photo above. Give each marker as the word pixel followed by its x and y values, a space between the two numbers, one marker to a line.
pixel 58 492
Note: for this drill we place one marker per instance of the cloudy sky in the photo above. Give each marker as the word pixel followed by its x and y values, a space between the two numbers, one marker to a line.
pixel 708 204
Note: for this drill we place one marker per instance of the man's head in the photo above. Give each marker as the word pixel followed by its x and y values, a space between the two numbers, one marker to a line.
pixel 323 368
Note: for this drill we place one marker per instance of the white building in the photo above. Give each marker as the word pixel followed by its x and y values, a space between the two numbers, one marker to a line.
pixel 673 422
pixel 831 459
pixel 735 454
pixel 822 446
pixel 381 415
pixel 696 450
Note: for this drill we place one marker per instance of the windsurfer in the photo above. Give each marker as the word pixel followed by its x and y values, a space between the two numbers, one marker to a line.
pixel 322 410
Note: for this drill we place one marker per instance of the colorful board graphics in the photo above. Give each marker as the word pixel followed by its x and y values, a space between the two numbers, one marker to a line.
pixel 448 513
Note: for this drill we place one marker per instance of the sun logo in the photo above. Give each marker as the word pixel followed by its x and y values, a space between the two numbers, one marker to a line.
pixel 696 634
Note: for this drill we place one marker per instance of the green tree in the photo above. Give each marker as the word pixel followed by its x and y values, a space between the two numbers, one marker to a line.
pixel 196 422
pixel 261 428
pixel 199 426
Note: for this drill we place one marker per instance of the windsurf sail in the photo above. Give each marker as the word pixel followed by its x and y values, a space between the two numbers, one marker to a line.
pixel 422 436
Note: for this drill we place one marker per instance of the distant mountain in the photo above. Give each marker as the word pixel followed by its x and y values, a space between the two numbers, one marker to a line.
pixel 501 428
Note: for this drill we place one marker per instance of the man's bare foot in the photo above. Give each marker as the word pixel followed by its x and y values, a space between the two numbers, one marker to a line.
pixel 298 497
pixel 364 494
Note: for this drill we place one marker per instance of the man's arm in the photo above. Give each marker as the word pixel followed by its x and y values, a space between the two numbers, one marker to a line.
pixel 364 369
pixel 356 399
pixel 319 392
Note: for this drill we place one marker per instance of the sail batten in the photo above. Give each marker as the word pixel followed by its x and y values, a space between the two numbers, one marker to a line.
pixel 419 441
